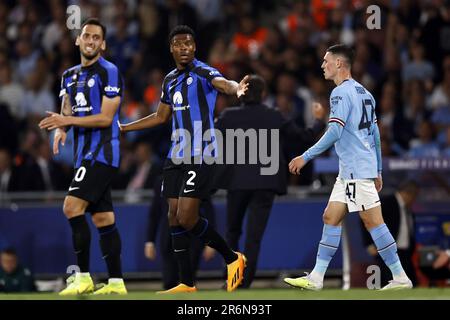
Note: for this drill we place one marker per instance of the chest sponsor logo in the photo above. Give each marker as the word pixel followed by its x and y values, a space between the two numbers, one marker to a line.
pixel 91 82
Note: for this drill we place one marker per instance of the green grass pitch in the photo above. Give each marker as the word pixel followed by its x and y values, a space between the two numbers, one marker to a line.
pixel 258 294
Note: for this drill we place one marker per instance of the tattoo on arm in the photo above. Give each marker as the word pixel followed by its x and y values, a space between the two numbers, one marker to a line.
pixel 66 108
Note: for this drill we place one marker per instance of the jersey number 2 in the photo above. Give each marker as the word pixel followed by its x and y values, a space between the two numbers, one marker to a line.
pixel 365 123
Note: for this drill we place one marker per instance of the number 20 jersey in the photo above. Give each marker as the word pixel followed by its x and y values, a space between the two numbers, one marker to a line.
pixel 353 107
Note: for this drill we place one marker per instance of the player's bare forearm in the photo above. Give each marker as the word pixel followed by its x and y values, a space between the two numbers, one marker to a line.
pixel 66 108
pixel 93 121
pixel 225 86
pixel 102 120
pixel 149 121
pixel 230 87
pixel 161 116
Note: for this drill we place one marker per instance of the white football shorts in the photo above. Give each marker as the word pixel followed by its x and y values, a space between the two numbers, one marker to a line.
pixel 358 194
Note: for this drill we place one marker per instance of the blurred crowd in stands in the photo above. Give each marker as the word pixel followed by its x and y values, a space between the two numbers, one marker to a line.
pixel 405 64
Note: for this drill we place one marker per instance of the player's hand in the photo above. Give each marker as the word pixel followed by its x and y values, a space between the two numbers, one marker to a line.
pixel 54 121
pixel 150 251
pixel 242 87
pixel 318 111
pixel 372 250
pixel 379 183
pixel 121 127
pixel 296 165
pixel 442 260
pixel 208 253
pixel 60 137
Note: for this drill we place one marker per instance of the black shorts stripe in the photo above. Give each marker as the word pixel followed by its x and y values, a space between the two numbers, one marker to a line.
pixel 186 114
pixel 172 85
pixel 87 131
pixel 204 108
pixel 72 91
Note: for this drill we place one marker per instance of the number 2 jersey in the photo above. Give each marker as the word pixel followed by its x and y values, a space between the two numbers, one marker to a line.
pixel 86 87
pixel 356 135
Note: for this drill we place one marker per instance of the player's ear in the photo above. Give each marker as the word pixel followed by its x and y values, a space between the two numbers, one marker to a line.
pixel 103 45
pixel 77 41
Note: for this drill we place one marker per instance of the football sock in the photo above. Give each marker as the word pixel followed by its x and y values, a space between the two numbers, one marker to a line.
pixel 111 246
pixel 204 231
pixel 180 245
pixel 81 238
pixel 387 248
pixel 331 236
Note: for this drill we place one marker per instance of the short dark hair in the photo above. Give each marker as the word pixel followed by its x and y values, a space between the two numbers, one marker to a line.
pixel 181 29
pixel 343 50
pixel 10 251
pixel 95 22
pixel 256 87
pixel 409 186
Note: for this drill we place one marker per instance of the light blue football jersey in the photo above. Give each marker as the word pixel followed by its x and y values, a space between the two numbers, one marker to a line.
pixel 353 107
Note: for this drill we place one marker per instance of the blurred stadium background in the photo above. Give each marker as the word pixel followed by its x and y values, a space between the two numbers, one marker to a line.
pixel 405 64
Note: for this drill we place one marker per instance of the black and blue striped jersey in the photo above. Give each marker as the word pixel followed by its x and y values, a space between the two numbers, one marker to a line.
pixel 86 87
pixel 192 98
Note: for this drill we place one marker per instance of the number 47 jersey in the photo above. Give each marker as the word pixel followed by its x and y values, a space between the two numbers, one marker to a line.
pixel 353 108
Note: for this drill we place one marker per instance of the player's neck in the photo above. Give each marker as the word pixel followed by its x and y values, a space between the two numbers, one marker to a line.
pixel 88 62
pixel 341 77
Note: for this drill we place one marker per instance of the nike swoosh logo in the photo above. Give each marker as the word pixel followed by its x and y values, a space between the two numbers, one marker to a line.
pixel 181 250
pixel 73 188
pixel 187 191
pixel 70 84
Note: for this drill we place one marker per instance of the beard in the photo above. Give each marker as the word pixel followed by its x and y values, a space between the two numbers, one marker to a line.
pixel 90 56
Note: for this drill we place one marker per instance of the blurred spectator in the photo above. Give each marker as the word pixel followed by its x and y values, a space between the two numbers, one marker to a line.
pixel 424 146
pixel 27 58
pixel 440 96
pixel 54 31
pixel 14 277
pixel 122 45
pixel 418 68
pixel 37 99
pixel 143 173
pixel 399 219
pixel 446 151
pixel 8 129
pixel 11 93
pixel 250 37
pixel 9 174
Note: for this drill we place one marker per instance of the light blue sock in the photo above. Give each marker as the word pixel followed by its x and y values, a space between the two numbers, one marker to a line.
pixel 331 236
pixel 387 248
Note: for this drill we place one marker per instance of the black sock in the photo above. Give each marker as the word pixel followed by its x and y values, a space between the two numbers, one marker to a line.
pixel 81 238
pixel 204 231
pixel 180 244
pixel 111 246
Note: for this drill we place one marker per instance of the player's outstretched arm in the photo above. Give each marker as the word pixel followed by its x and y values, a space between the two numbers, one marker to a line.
pixel 231 87
pixel 161 116
pixel 101 120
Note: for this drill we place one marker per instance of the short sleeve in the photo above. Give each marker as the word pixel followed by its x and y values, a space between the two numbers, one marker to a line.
pixel 207 72
pixel 165 98
pixel 63 89
pixel 112 83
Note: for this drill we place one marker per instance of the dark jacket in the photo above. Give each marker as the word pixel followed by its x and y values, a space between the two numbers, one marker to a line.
pixel 248 176
pixel 20 280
